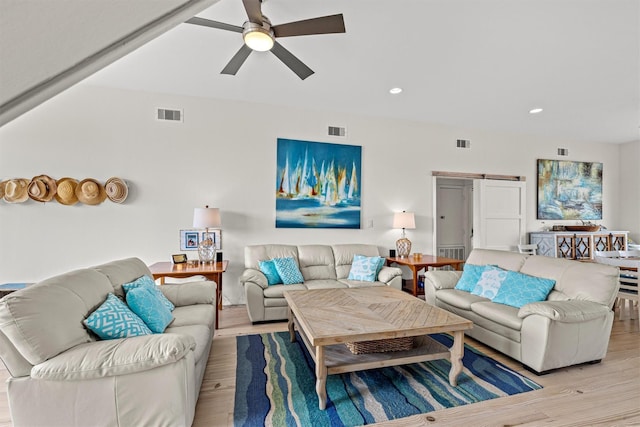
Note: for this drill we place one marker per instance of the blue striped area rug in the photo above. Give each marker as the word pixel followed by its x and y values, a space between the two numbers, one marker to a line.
pixel 275 386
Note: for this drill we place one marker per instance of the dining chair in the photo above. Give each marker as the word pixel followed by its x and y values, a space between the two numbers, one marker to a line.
pixel 531 249
pixel 628 292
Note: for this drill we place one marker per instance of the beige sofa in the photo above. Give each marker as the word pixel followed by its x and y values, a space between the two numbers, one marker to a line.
pixel 322 266
pixel 572 326
pixel 61 375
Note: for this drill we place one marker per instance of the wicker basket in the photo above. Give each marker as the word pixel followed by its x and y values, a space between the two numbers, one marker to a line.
pixel 381 346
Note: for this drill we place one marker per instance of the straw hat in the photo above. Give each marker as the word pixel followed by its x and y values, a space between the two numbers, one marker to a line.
pixel 90 192
pixel 116 189
pixel 2 183
pixel 42 188
pixel 66 193
pixel 15 190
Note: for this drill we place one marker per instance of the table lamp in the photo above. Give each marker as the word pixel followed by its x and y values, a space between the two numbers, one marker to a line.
pixel 403 220
pixel 206 218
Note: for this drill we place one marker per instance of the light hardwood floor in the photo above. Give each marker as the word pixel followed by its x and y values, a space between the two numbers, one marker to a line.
pixel 606 394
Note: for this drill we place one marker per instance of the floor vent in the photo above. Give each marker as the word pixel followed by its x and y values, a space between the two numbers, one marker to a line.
pixel 563 151
pixel 165 114
pixel 463 143
pixel 337 131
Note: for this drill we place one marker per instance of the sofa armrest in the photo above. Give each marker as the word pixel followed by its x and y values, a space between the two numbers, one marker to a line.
pixel 387 274
pixel 442 279
pixel 254 276
pixel 99 359
pixel 571 311
pixel 190 293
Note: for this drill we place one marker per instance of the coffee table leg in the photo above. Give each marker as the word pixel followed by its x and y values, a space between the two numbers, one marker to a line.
pixel 457 351
pixel 321 378
pixel 292 333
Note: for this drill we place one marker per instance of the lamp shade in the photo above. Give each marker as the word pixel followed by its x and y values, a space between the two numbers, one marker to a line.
pixel 404 220
pixel 206 217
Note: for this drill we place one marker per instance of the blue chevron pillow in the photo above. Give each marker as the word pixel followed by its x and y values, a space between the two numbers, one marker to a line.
pixel 288 270
pixel 146 304
pixel 113 319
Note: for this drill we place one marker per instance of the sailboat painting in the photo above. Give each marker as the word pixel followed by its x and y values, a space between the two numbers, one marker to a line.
pixel 318 185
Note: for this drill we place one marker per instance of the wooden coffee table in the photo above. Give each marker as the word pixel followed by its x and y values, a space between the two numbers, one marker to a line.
pixel 329 318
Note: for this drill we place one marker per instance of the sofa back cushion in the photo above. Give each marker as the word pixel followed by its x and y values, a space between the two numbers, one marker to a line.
pixel 256 253
pixel 123 271
pixel 317 262
pixel 503 259
pixel 45 319
pixel 574 279
pixel 343 256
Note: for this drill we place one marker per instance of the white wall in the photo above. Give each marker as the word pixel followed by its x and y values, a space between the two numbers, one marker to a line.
pixel 224 155
pixel 630 189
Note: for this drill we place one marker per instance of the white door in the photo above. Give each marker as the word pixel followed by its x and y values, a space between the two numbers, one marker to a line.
pixel 453 218
pixel 499 209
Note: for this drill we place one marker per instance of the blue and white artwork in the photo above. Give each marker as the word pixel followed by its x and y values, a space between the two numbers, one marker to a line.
pixel 569 190
pixel 318 185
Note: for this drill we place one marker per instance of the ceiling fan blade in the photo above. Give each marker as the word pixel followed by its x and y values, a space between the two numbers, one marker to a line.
pixel 291 61
pixel 236 62
pixel 214 24
pixel 323 25
pixel 254 11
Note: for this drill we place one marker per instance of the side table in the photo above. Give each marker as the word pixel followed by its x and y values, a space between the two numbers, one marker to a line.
pixel 423 262
pixel 212 271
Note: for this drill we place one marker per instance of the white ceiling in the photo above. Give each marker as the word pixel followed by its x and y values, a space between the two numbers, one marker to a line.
pixel 473 64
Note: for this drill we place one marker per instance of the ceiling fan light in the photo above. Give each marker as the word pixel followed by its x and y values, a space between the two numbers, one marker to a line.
pixel 258 39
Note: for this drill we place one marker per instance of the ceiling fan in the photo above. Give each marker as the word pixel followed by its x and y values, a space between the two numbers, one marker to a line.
pixel 260 35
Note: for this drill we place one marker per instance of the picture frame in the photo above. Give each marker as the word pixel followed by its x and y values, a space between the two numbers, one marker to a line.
pixel 191 237
pixel 179 258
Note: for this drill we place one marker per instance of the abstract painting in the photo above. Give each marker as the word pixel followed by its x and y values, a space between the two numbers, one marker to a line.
pixel 569 190
pixel 318 185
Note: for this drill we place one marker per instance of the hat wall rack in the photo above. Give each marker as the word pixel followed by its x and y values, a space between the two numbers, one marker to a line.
pixel 66 191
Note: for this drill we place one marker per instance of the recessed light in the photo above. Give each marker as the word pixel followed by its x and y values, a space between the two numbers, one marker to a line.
pixel 535 111
pixel 395 90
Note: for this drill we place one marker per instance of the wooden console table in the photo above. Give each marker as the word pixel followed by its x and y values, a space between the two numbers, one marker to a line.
pixel 212 271
pixel 424 262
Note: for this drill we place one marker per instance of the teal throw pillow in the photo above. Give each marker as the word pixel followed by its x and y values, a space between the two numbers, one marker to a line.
pixel 365 268
pixel 146 304
pixel 269 269
pixel 490 281
pixel 521 289
pixel 113 319
pixel 148 282
pixel 288 270
pixel 470 275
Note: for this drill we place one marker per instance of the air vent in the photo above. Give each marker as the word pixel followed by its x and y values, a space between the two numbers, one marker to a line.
pixel 165 114
pixel 563 151
pixel 463 143
pixel 337 131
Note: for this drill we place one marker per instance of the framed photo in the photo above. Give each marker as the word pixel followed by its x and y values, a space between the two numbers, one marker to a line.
pixel 189 240
pixel 179 258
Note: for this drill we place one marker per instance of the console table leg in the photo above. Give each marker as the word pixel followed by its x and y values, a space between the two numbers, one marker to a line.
pixel 321 378
pixel 457 351
pixel 292 333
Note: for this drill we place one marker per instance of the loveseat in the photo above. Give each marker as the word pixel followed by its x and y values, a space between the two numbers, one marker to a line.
pixel 322 267
pixel 571 325
pixel 63 375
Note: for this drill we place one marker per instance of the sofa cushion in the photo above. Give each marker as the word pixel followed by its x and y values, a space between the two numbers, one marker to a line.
pixel 316 262
pixel 190 294
pixel 45 319
pixel 200 334
pixel 365 268
pixel 361 283
pixel 150 308
pixel 276 291
pixel 324 284
pixel 198 314
pixel 123 271
pixel 148 282
pixel 269 269
pixel 504 315
pixel 521 289
pixel 110 358
pixel 113 320
pixel 470 275
pixel 288 270
pixel 459 299
pixel 343 255
pixel 506 260
pixel 490 281
pixel 256 253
